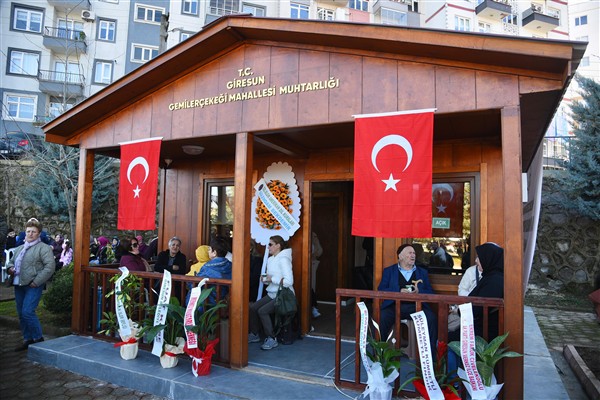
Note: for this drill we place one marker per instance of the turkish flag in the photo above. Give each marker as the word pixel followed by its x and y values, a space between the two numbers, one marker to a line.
pixel 392 175
pixel 138 183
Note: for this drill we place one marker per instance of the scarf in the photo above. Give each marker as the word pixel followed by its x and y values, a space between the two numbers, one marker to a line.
pixel 19 259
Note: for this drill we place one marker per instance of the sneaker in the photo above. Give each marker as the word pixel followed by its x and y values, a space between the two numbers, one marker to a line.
pixel 24 346
pixel 270 343
pixel 253 338
pixel 315 312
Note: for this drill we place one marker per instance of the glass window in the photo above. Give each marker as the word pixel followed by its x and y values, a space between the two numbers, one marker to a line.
pixel 142 53
pixel 453 212
pixel 219 209
pixel 581 20
pixel 27 20
pixel 71 75
pixel 190 7
pixel 485 27
pixel 103 72
pixel 57 107
pixel 19 107
pixel 298 11
pixel 254 10
pixel 106 30
pixel 362 5
pixel 325 14
pixel 462 24
pixel 69 29
pixel 393 17
pixel 510 19
pixel 148 14
pixel 184 35
pixel 23 62
pixel 224 7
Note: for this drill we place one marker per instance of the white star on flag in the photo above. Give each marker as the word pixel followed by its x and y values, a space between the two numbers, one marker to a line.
pixel 390 183
pixel 136 191
pixel 441 208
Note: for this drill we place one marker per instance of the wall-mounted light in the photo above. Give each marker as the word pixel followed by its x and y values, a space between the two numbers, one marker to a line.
pixel 192 150
pixel 168 163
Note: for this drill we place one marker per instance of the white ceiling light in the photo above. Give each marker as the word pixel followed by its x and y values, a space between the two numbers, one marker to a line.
pixel 192 150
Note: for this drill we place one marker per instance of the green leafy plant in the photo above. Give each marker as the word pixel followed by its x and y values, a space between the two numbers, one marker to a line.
pixel 130 295
pixel 488 355
pixel 173 326
pixel 207 319
pixel 447 380
pixel 384 352
pixel 59 296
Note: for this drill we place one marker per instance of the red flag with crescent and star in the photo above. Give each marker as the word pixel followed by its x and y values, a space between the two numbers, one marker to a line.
pixel 138 184
pixel 392 175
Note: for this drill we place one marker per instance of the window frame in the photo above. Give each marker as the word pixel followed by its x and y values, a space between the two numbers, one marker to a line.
pixel 97 63
pixel 300 9
pixel 219 7
pixel 102 20
pixel 466 21
pixel 191 5
pixel 144 48
pixel 360 5
pixel 148 9
pixel 187 34
pixel 581 20
pixel 209 183
pixel 30 11
pixel 384 20
pixel 6 109
pixel 10 63
pixel 325 14
pixel 255 7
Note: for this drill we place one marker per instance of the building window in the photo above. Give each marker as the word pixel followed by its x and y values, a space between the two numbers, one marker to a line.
pixel 106 30
pixel 184 35
pixel 298 11
pixel 254 10
pixel 393 17
pixel 510 19
pixel 23 62
pixel 224 7
pixel 219 209
pixel 413 6
pixel 462 24
pixel 581 20
pixel 553 12
pixel 362 5
pixel 582 38
pixel 19 107
pixel 485 27
pixel 26 19
pixel 148 14
pixel 103 72
pixel 585 62
pixel 70 75
pixel 190 7
pixel 69 29
pixel 141 53
pixel 325 14
pixel 57 107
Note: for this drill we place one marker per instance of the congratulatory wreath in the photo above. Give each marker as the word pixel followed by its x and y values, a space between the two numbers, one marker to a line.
pixel 281 191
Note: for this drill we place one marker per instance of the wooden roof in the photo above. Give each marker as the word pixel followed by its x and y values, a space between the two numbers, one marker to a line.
pixel 554 61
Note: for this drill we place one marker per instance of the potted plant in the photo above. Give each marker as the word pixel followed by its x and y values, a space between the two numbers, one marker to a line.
pixel 173 332
pixel 447 380
pixel 385 362
pixel 206 317
pixel 488 355
pixel 129 296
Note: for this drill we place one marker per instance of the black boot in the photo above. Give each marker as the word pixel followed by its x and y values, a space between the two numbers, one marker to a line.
pixel 24 345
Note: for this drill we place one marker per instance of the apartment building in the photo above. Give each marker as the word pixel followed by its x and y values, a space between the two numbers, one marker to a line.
pixel 57 52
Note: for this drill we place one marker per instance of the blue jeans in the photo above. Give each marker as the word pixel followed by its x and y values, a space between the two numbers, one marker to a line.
pixel 27 300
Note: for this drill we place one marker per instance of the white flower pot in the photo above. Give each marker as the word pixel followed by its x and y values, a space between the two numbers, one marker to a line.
pixel 129 351
pixel 382 393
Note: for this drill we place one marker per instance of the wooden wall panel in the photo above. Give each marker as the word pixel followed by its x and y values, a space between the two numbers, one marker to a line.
pixel 206 82
pixel 255 112
pixel 380 85
pixel 169 227
pixel 442 156
pixel 347 98
pixel 496 90
pixel 492 156
pixel 313 106
pixel 465 154
pixel 162 117
pixel 228 114
pixel 180 122
pixel 416 86
pixel 104 132
pixel 283 110
pixel 184 205
pixel 142 120
pixel 454 89
pixel 123 124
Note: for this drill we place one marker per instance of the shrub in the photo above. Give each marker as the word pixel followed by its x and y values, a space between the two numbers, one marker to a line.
pixel 59 296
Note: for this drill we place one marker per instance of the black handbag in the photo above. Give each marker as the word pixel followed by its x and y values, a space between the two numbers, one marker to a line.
pixel 286 307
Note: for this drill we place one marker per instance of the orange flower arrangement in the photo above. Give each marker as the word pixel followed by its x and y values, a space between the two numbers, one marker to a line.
pixel 281 191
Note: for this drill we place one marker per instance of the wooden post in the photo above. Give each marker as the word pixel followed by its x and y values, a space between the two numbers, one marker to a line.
pixel 513 249
pixel 83 225
pixel 240 277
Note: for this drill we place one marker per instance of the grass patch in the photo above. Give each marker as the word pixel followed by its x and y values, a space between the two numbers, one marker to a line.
pixel 9 309
pixel 570 298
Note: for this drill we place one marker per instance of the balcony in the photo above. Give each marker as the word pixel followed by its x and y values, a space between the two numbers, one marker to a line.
pixel 72 7
pixel 336 3
pixel 63 41
pixel 493 9
pixel 41 120
pixel 539 20
pixel 61 84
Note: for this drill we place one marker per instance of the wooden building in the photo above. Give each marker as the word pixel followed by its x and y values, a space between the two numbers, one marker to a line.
pixel 253 91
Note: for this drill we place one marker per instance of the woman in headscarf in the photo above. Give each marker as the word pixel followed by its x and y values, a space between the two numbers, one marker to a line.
pixel 202 257
pixel 490 262
pixel 32 265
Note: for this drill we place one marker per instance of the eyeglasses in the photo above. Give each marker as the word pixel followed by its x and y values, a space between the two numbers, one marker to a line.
pixel 272 244
pixel 134 245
